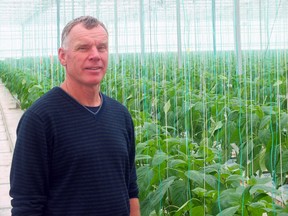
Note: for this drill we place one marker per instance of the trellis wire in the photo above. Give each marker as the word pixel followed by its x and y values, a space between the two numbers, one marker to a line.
pixel 163 54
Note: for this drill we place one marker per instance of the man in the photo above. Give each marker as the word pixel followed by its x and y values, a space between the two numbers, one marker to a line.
pixel 75 146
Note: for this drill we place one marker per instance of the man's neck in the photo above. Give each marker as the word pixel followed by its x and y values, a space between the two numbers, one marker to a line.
pixel 85 95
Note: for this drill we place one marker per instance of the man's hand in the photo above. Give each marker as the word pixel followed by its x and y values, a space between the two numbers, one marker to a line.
pixel 134 207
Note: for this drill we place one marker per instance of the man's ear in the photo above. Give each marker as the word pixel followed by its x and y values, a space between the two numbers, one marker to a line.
pixel 62 56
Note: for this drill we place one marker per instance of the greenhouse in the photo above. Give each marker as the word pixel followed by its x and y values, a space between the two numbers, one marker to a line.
pixel 205 84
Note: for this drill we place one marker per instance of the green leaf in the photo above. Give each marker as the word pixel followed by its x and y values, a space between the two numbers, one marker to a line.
pixel 167 107
pixel 268 110
pixel 229 197
pixel 142 157
pixel 211 180
pixel 246 195
pixel 282 165
pixel 256 209
pixel 195 176
pixel 234 180
pixel 198 210
pixel 213 168
pixel 229 211
pixel 216 126
pixel 245 152
pixel 262 160
pixel 174 163
pixel 264 136
pixel 178 193
pixel 235 147
pixel 265 122
pixel 144 177
pixel 129 97
pixel 37 87
pixel 271 157
pixel 159 158
pixel 185 207
pixel 258 205
pixel 284 121
pixel 262 196
pixel 162 190
pixel 199 191
pixel 265 188
pixel 279 82
pixel 146 205
pixel 140 147
pixel 200 178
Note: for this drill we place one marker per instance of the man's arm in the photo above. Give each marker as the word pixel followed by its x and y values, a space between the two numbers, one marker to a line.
pixel 29 169
pixel 133 187
pixel 134 207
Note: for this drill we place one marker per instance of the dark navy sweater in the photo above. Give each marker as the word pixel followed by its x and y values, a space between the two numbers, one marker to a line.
pixel 69 161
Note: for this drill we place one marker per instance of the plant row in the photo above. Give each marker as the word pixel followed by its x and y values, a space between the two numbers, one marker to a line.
pixel 209 140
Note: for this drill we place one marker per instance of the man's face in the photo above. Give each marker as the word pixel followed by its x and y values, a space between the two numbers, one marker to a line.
pixel 85 55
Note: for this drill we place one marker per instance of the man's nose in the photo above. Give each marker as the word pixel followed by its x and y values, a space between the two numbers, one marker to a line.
pixel 94 54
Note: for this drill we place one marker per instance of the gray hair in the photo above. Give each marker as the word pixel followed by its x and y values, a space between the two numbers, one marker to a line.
pixel 88 22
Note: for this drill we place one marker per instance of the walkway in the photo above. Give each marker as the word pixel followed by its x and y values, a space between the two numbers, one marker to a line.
pixel 9 118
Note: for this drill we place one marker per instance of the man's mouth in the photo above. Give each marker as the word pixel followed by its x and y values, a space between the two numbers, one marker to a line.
pixel 93 68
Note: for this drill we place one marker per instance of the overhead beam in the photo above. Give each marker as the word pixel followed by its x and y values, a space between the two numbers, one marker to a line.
pixel 58 23
pixel 179 42
pixel 45 7
pixel 237 37
pixel 142 31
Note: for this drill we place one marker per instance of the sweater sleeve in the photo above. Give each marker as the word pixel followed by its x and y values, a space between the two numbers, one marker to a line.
pixel 29 169
pixel 133 187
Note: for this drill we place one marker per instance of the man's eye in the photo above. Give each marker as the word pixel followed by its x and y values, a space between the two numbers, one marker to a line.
pixel 102 48
pixel 82 48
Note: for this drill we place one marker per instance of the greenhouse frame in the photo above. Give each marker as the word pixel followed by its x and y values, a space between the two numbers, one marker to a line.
pixel 206 84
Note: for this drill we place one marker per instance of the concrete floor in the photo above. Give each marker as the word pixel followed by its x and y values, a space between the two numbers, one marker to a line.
pixel 9 117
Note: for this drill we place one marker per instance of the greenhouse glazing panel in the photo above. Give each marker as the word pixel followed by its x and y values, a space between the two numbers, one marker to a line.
pixel 205 81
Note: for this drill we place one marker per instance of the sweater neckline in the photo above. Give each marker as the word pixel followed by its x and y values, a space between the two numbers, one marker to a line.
pixel 83 106
pixel 90 110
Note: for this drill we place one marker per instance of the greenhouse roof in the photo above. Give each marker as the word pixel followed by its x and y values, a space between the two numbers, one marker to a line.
pixel 31 27
pixel 22 11
pixel 18 11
